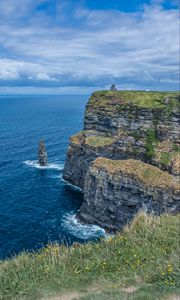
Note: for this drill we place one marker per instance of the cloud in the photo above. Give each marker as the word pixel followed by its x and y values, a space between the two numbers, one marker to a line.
pixel 166 2
pixel 8 75
pixel 44 77
pixel 94 48
pixel 12 10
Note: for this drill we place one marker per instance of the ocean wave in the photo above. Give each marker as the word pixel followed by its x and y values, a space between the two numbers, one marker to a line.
pixel 58 176
pixel 84 232
pixel 52 166
pixel 74 187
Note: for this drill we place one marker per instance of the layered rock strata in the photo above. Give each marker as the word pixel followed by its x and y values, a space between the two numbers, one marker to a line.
pixel 118 126
pixel 115 191
pixel 122 125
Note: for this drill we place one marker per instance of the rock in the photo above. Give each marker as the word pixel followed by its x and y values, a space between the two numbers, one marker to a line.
pixel 115 191
pixel 125 123
pixel 42 154
pixel 166 100
pixel 125 126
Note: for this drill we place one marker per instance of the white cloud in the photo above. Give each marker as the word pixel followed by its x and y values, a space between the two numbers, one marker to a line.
pixel 44 77
pixel 14 69
pixel 12 9
pixel 8 75
pixel 132 47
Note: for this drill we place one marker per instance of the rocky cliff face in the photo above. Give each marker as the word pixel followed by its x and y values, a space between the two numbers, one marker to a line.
pixel 115 191
pixel 122 125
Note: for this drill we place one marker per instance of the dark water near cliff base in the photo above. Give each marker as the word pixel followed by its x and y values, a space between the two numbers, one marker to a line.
pixel 36 205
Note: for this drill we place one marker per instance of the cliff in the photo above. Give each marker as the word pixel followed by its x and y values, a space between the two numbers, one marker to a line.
pixel 121 125
pixel 115 191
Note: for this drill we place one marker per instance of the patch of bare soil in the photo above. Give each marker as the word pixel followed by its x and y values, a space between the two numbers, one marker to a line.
pixel 129 289
pixel 68 296
pixel 94 289
pixel 173 297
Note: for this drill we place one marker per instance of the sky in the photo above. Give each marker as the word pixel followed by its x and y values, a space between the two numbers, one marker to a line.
pixel 77 46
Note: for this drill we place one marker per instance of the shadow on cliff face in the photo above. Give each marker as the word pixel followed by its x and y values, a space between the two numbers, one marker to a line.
pixel 76 196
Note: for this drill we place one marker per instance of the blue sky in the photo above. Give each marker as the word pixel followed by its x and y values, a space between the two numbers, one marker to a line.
pixel 77 46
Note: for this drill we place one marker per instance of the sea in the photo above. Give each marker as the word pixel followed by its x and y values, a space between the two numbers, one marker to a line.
pixel 37 206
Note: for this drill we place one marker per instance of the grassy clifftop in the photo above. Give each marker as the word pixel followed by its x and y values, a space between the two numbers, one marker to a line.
pixel 140 263
pixel 145 173
pixel 143 99
pixel 92 139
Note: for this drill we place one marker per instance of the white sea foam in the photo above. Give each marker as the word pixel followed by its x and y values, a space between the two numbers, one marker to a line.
pixel 74 187
pixel 35 164
pixel 55 176
pixel 85 232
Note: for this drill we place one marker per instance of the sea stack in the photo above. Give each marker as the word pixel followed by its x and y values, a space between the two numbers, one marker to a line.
pixel 42 154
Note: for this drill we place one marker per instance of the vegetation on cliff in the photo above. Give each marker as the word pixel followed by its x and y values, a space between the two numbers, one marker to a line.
pixel 141 99
pixel 92 139
pixel 126 124
pixel 145 173
pixel 140 263
pixel 168 154
pixel 151 143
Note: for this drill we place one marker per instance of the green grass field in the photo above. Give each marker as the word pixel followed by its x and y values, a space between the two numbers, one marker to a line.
pixel 141 263
pixel 142 99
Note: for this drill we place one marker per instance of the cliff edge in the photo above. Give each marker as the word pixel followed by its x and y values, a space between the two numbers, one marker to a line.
pixel 116 190
pixel 118 126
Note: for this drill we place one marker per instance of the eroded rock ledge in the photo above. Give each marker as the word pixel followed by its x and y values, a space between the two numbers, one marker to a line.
pixel 123 125
pixel 115 191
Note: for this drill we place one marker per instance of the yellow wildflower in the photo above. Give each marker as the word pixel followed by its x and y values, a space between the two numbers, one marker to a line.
pixel 169 268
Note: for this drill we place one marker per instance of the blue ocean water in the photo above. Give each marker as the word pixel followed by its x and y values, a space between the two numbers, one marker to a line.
pixel 36 205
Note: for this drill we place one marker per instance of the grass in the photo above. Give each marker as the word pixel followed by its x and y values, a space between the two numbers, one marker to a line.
pixel 139 263
pixel 151 143
pixel 99 141
pixel 165 159
pixel 168 154
pixel 136 134
pixel 92 139
pixel 143 99
pixel 78 138
pixel 142 172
